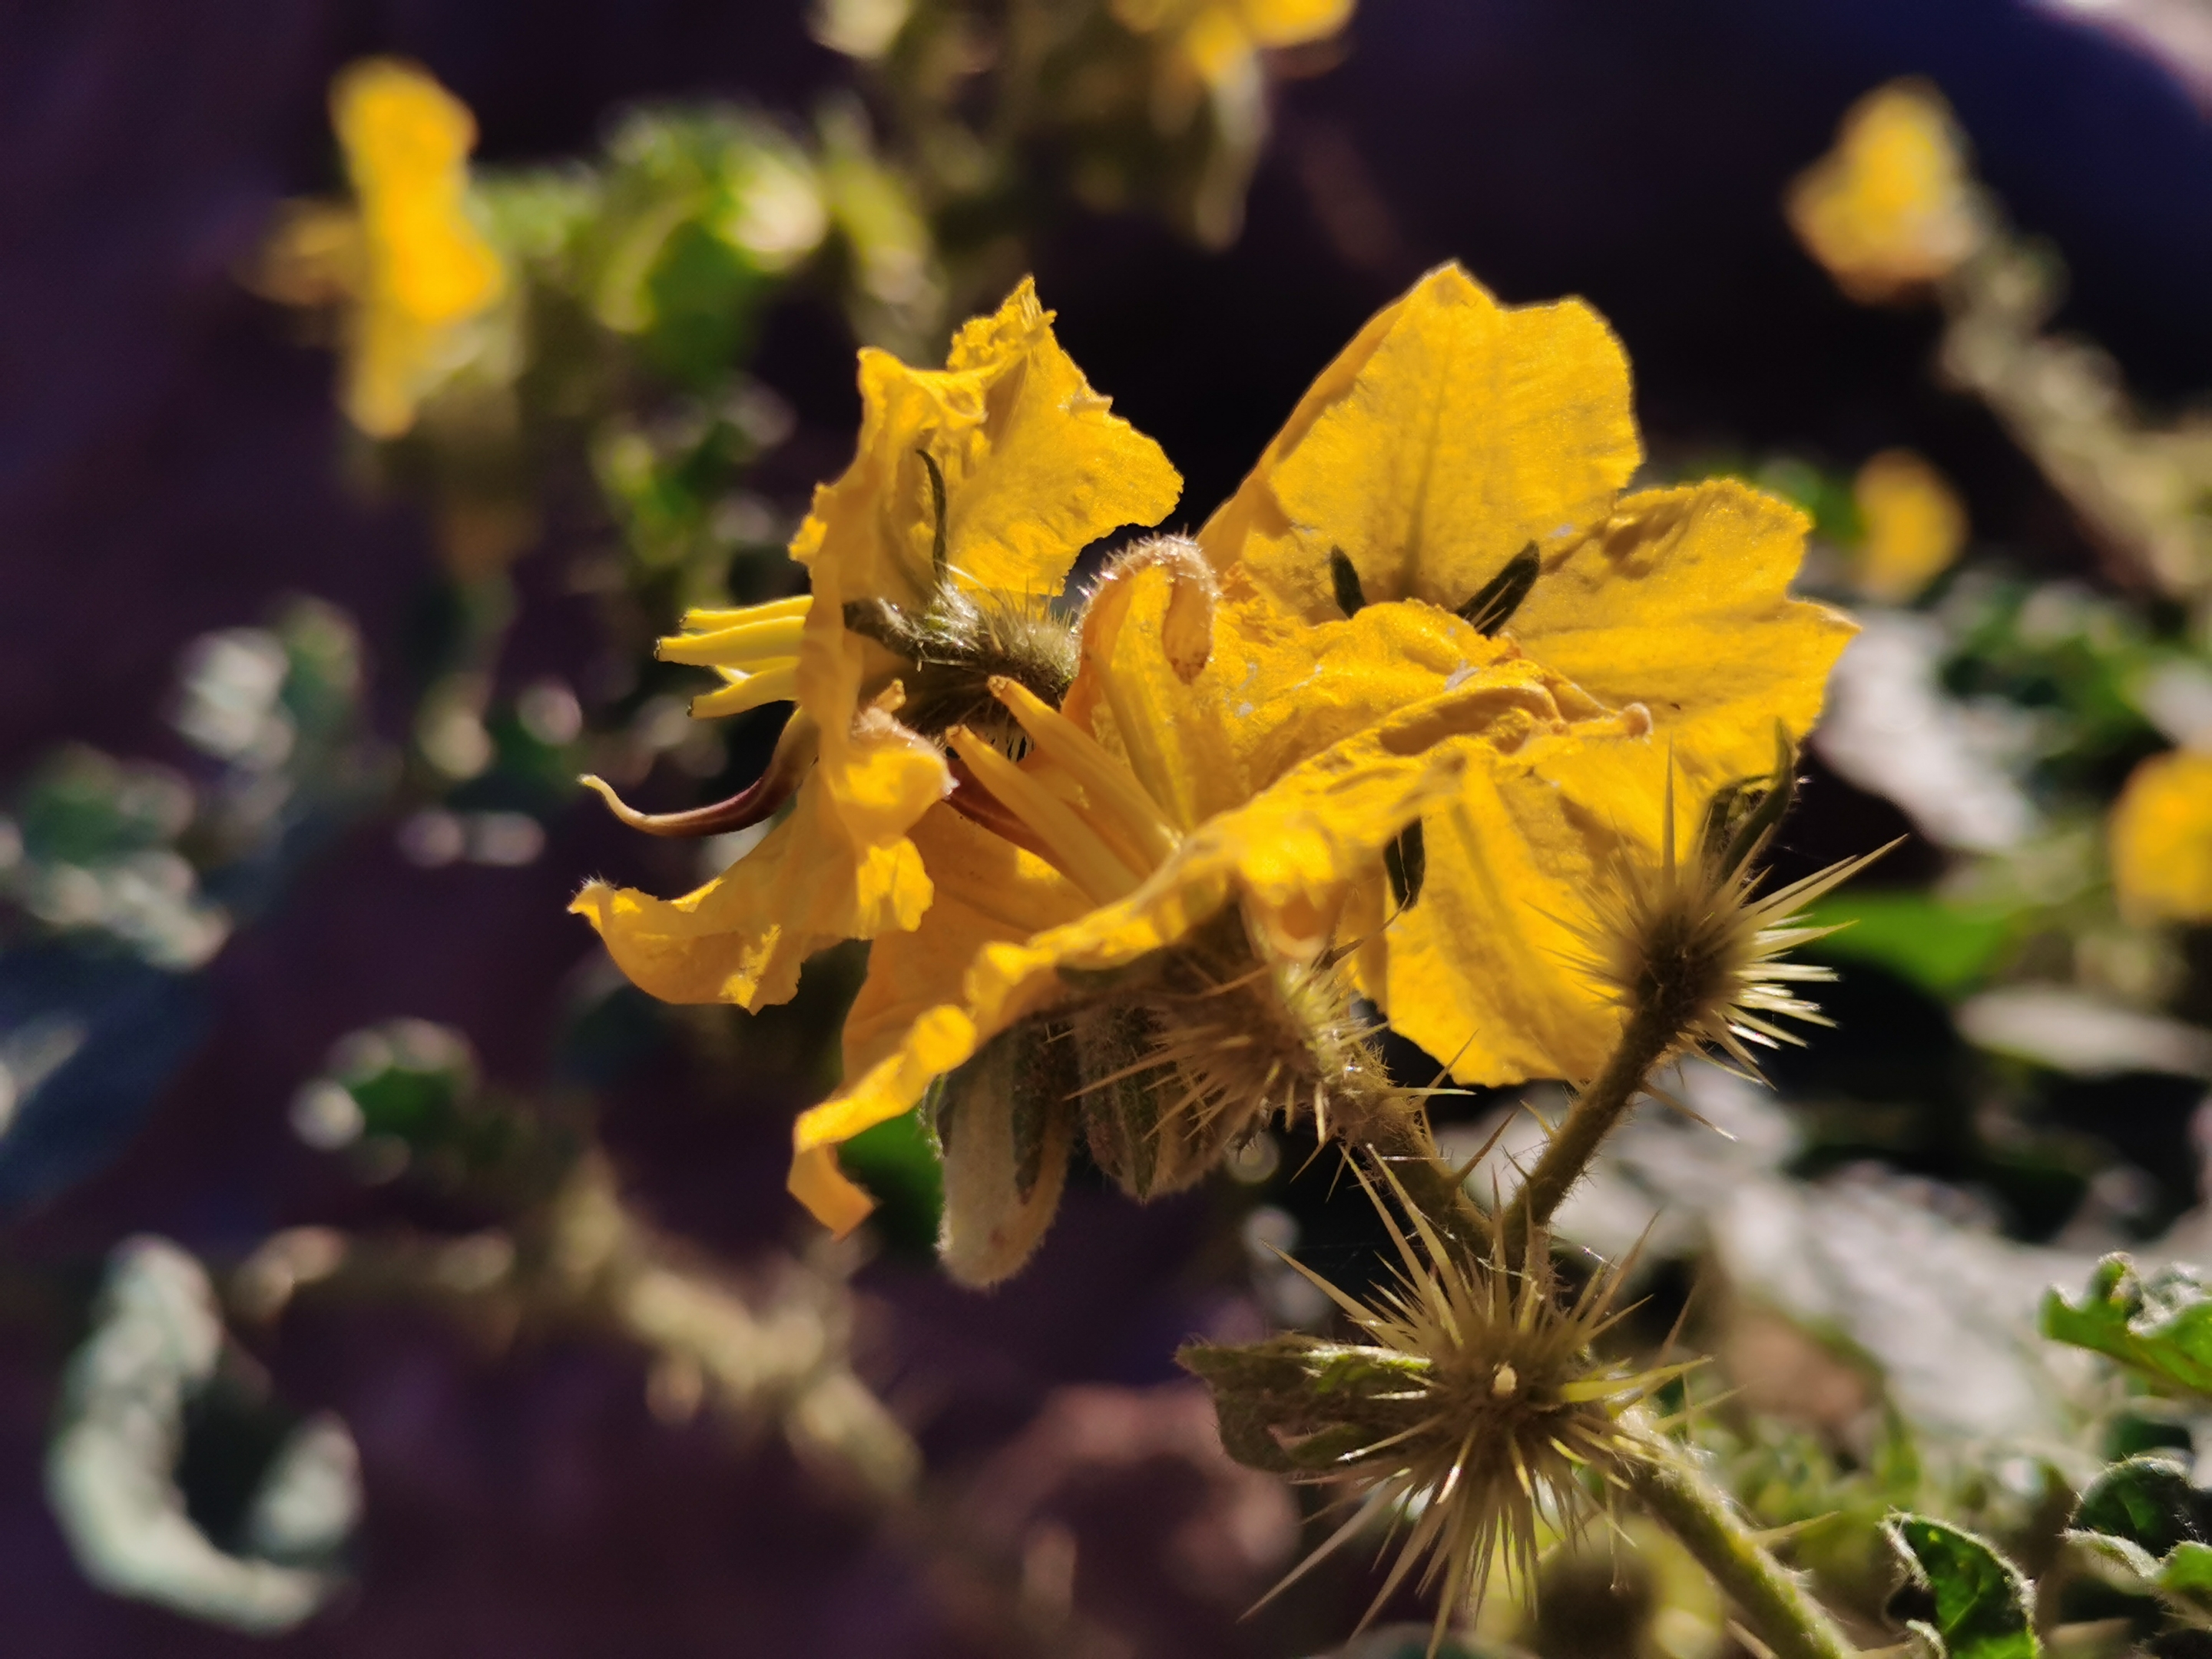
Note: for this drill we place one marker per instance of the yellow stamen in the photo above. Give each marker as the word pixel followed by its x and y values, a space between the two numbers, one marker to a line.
pixel 1081 853
pixel 745 645
pixel 703 620
pixel 777 684
pixel 1114 793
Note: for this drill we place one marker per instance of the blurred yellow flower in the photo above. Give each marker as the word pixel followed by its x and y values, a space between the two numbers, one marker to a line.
pixel 2161 839
pixel 1217 42
pixel 407 255
pixel 1913 526
pixel 1469 457
pixel 973 489
pixel 1891 208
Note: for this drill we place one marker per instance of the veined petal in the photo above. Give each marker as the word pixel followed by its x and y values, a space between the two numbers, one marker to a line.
pixel 1481 971
pixel 1034 465
pixel 1452 433
pixel 1680 602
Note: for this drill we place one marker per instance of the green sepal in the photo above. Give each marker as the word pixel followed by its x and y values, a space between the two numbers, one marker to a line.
pixel 1344 578
pixel 1120 1102
pixel 1495 602
pixel 1295 1404
pixel 1006 1122
pixel 2159 1327
pixel 1405 861
pixel 1959 1595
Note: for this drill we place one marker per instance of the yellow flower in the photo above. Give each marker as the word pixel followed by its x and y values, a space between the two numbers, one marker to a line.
pixel 2161 839
pixel 1206 53
pixel 1164 873
pixel 1467 456
pixel 1914 525
pixel 408 255
pixel 1891 208
pixel 934 562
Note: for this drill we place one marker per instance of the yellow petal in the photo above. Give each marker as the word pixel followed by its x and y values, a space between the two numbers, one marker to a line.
pixel 835 869
pixel 1480 969
pixel 2161 839
pixel 1892 207
pixel 1452 433
pixel 987 892
pixel 1035 466
pixel 1681 603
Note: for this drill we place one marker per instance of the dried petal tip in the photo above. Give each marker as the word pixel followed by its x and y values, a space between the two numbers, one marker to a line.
pixel 1688 946
pixel 1470 1411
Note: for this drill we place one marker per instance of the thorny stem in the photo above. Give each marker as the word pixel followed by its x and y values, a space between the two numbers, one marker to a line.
pixel 1402 1140
pixel 1652 1030
pixel 1672 1489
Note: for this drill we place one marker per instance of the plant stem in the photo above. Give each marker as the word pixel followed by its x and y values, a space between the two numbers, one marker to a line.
pixel 1401 1139
pixel 1651 1031
pixel 1674 1493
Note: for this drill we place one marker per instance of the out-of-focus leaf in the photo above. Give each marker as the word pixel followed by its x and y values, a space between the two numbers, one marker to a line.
pixel 113 1472
pixel 1942 948
pixel 898 1163
pixel 2159 1327
pixel 2147 1525
pixel 87 1042
pixel 1972 1604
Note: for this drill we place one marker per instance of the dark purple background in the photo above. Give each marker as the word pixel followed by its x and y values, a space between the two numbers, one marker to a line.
pixel 168 464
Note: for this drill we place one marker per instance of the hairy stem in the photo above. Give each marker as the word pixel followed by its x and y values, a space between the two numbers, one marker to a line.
pixel 1673 1491
pixel 1401 1139
pixel 1652 1030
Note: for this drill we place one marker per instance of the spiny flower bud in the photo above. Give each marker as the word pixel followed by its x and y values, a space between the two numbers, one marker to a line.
pixel 1688 947
pixel 1472 1407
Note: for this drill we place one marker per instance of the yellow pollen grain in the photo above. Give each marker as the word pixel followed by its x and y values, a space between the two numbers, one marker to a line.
pixel 1081 853
pixel 745 645
pixel 777 684
pixel 1504 1382
pixel 1113 790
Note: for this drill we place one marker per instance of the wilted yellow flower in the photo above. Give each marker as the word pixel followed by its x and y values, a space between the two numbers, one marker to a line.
pixel 1469 457
pixel 408 255
pixel 1891 208
pixel 934 562
pixel 2161 839
pixel 1914 525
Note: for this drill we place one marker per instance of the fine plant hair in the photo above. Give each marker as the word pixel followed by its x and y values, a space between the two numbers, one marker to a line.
pixel 962 642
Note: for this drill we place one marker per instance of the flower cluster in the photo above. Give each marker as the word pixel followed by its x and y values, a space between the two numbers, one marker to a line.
pixel 1379 731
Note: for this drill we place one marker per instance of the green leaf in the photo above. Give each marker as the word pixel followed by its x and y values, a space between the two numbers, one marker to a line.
pixel 2147 1525
pixel 1945 949
pixel 2147 1501
pixel 2159 1327
pixel 1980 1604
pixel 898 1163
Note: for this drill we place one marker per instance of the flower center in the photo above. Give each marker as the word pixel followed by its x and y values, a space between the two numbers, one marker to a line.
pixel 1074 804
